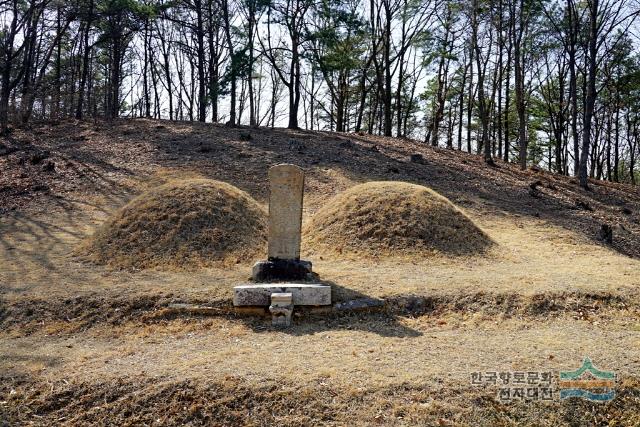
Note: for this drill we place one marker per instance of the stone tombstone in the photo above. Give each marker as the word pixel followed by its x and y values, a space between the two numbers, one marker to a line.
pixel 285 211
pixel 285 227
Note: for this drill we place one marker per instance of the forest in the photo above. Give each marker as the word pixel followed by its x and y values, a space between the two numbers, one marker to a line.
pixel 550 84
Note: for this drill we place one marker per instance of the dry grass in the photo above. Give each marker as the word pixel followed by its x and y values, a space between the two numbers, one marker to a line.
pixel 357 371
pixel 84 344
pixel 205 402
pixel 181 224
pixel 394 218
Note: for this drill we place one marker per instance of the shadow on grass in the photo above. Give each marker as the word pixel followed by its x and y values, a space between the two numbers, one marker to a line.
pixel 35 243
pixel 314 320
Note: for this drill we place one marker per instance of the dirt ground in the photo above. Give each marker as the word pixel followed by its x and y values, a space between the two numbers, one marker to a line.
pixel 82 344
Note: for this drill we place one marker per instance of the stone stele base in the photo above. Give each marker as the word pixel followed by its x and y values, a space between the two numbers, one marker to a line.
pixel 302 293
pixel 281 309
pixel 281 269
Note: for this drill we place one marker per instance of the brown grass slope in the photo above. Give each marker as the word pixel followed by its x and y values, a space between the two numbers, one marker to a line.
pixel 181 224
pixel 393 218
pixel 99 157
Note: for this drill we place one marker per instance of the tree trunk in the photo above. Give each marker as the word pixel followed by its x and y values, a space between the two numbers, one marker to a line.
pixel 294 89
pixel 484 115
pixel 519 81
pixel 461 105
pixel 387 72
pixel 85 62
pixel 252 108
pixel 590 100
pixel 227 31
pixel 470 99
pixel 573 85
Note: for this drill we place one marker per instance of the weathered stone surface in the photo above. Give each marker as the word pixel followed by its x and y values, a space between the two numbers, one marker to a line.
pixel 281 308
pixel 362 304
pixel 285 223
pixel 302 293
pixel 285 211
pixel 281 269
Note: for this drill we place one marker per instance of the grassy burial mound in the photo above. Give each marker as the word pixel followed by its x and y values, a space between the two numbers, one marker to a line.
pixel 181 225
pixel 393 218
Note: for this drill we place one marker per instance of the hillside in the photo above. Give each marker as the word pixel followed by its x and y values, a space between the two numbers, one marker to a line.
pixel 85 344
pixel 105 158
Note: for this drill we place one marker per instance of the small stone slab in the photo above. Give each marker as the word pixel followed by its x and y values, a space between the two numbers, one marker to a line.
pixel 362 304
pixel 302 293
pixel 281 309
